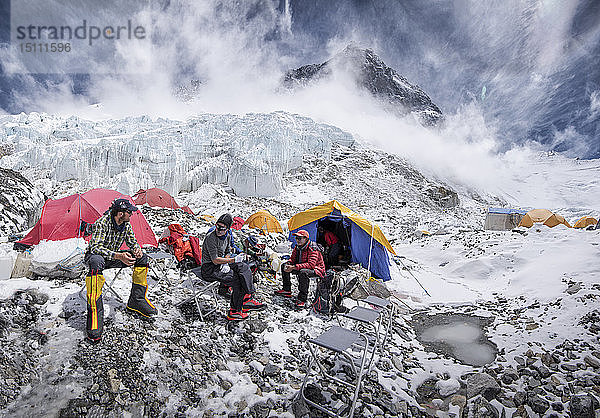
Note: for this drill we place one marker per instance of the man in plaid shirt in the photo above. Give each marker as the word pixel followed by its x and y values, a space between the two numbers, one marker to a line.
pixel 109 234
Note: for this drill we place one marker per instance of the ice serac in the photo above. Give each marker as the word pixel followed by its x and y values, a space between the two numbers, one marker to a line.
pixel 372 74
pixel 250 153
pixel 19 202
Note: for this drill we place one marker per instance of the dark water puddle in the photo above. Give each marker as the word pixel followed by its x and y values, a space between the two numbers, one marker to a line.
pixel 460 336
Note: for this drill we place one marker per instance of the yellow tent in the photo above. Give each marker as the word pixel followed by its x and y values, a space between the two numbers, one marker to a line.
pixel 208 218
pixel 543 216
pixel 585 221
pixel 264 221
pixel 318 212
pixel 368 246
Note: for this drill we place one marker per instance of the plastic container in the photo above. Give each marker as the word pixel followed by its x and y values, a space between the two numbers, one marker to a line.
pixel 276 264
pixel 22 265
pixel 7 263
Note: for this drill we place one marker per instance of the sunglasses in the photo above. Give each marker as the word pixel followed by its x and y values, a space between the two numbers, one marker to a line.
pixel 221 228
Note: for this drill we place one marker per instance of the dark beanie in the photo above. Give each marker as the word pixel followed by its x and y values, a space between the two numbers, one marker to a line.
pixel 226 220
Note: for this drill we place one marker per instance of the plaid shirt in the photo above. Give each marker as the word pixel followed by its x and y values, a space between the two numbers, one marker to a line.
pixel 106 240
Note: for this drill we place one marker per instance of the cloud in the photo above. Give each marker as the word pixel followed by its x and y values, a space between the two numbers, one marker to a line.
pixel 239 51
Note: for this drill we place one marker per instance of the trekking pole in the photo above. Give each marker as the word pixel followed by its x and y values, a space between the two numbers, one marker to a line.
pixel 417 280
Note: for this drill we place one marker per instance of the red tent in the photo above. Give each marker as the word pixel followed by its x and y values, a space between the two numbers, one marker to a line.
pixel 187 209
pixel 61 218
pixel 237 223
pixel 155 197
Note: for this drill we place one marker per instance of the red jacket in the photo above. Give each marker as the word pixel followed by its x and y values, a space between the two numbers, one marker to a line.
pixel 308 258
pixel 183 244
pixel 330 238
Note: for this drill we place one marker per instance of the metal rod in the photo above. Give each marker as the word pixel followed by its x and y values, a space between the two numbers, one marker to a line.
pixel 417 280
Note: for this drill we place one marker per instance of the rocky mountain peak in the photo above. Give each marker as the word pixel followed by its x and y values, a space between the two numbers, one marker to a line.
pixel 371 73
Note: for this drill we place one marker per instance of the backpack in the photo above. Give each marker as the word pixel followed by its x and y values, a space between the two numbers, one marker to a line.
pixel 86 229
pixel 321 249
pixel 328 299
pixel 182 244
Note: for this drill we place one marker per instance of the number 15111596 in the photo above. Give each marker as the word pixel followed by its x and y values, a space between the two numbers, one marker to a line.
pixel 33 47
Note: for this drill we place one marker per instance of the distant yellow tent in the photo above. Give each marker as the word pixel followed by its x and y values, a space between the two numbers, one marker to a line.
pixel 208 218
pixel 585 221
pixel 542 216
pixel 264 221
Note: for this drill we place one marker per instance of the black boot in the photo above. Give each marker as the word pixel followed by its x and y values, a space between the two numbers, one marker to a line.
pixel 138 302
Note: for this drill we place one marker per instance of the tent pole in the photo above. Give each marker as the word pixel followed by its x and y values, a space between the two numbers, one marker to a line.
pixel 370 249
pixel 79 223
pixel 41 218
pixel 417 280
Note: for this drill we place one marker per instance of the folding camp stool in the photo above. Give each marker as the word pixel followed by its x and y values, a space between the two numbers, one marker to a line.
pixel 373 316
pixel 205 288
pixel 160 262
pixel 372 319
pixel 386 306
pixel 107 285
pixel 347 344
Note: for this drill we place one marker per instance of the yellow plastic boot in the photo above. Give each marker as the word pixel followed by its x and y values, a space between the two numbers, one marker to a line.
pixel 95 308
pixel 138 302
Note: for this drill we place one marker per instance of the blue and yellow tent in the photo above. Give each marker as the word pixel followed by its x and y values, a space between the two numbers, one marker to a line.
pixel 368 245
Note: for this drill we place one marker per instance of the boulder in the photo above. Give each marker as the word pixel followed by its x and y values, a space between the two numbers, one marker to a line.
pixel 447 387
pixel 538 404
pixel 271 370
pixel 583 406
pixel 444 197
pixel 481 408
pixel 427 389
pixel 19 201
pixel 509 375
pixel 260 410
pixel 520 398
pixel 592 361
pixel 484 384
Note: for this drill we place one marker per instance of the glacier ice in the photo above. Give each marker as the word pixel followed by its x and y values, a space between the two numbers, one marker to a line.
pixel 250 152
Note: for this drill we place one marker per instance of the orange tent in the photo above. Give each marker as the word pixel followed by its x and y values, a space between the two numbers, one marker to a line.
pixel 542 216
pixel 585 221
pixel 208 218
pixel 264 221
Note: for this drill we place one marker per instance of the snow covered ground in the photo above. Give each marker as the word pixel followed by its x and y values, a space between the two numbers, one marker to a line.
pixel 537 287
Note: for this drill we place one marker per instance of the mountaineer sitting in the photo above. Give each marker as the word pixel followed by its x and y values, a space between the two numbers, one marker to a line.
pixel 234 249
pixel 332 246
pixel 109 233
pixel 219 265
pixel 306 261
